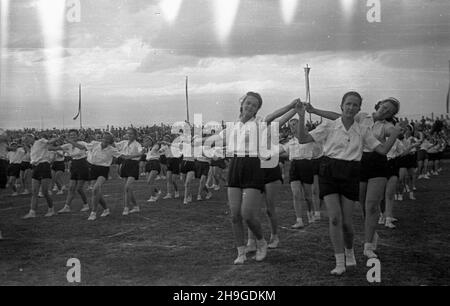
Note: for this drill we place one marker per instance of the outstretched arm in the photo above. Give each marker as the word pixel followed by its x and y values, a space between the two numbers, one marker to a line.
pixel 384 148
pixel 286 117
pixel 76 144
pixel 280 112
pixel 322 113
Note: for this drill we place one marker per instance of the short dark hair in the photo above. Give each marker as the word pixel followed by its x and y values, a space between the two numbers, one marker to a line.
pixel 354 94
pixel 135 132
pixel 254 95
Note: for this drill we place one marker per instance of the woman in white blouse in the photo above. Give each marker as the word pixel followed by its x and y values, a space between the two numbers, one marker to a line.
pixel 152 167
pixel 245 176
pixel 343 143
pixel 374 169
pixel 130 169
pixel 79 171
pixel 102 154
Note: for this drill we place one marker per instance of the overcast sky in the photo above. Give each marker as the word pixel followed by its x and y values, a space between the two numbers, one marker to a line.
pixel 132 56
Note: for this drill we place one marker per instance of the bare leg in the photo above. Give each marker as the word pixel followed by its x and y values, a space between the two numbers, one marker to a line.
pixel 251 201
pixel 298 198
pixel 45 184
pixel 80 190
pixel 375 193
pixel 272 191
pixel 235 203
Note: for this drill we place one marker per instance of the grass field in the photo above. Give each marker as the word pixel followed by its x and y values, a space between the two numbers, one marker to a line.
pixel 171 244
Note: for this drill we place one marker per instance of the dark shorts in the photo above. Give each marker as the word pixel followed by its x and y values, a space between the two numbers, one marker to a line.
pixel 433 156
pixel 316 165
pixel 58 166
pixel 393 168
pixel 402 162
pixel 173 165
pixel 41 171
pixel 143 158
pixel 246 172
pixel 79 170
pixel 3 173
pixel 187 166
pixel 25 166
pixel 283 159
pixel 422 155
pixel 130 168
pixel 219 163
pixel 301 170
pixel 201 168
pixel 14 170
pixel 411 161
pixel 272 175
pixel 163 160
pixel 339 177
pixel 99 171
pixel 153 165
pixel 373 165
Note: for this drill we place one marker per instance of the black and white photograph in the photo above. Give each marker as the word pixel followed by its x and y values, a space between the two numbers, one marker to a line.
pixel 225 149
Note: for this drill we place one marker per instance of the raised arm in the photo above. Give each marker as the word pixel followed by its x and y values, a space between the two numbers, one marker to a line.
pixel 384 148
pixel 280 112
pixel 286 117
pixel 76 144
pixel 322 113
pixel 302 134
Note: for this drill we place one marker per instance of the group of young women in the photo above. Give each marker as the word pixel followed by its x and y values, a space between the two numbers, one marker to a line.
pixel 351 157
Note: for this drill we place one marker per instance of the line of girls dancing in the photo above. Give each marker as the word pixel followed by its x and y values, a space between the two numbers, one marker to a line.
pixel 351 157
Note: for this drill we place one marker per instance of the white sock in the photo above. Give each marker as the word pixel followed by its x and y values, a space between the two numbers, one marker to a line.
pixel 261 242
pixel 241 250
pixel 340 260
pixel 368 246
pixel 350 257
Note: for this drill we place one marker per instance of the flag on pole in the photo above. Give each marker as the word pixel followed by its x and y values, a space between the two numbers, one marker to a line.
pixel 79 103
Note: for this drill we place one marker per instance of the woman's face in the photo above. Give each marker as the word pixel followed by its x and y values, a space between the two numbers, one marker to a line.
pixel 250 106
pixel 131 136
pixel 107 140
pixel 73 136
pixel 351 106
pixel 386 110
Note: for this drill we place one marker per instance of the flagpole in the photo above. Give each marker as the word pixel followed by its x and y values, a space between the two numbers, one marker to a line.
pixel 187 100
pixel 308 93
pixel 448 93
pixel 79 105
